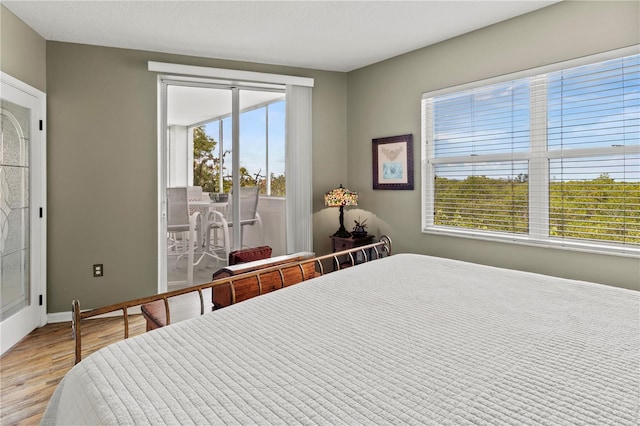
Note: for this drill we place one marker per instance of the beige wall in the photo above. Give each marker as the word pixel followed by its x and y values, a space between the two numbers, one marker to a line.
pixel 22 51
pixel 384 100
pixel 102 165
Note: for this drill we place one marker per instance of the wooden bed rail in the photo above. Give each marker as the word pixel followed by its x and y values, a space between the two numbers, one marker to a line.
pixel 335 261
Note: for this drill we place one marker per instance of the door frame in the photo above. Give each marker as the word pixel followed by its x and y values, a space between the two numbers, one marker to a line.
pixel 14 328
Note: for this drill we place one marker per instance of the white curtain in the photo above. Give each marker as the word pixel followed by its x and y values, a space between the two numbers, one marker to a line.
pixel 298 166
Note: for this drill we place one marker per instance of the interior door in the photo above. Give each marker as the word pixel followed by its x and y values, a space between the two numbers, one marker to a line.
pixel 22 229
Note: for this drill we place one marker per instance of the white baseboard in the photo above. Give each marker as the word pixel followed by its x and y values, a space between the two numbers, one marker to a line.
pixel 58 317
pixel 55 317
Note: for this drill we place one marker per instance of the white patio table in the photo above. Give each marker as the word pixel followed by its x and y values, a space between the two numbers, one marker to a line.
pixel 204 207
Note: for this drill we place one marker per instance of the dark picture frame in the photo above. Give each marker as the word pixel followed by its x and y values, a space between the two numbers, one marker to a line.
pixel 393 162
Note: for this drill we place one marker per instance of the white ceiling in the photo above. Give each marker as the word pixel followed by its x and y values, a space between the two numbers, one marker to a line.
pixel 326 35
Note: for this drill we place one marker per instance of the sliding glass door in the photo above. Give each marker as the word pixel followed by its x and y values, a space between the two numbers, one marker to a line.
pixel 225 145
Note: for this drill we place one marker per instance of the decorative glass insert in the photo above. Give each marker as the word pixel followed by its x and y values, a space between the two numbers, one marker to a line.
pixel 14 208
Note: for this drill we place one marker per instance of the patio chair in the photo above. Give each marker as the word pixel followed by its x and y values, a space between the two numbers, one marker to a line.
pixel 194 193
pixel 218 223
pixel 183 230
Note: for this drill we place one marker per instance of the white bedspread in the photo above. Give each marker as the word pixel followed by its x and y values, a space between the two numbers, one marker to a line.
pixel 408 339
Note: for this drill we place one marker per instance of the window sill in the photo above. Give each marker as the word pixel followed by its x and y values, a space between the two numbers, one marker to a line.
pixel 555 243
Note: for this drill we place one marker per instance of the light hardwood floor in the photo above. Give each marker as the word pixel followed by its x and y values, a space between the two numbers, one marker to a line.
pixel 31 370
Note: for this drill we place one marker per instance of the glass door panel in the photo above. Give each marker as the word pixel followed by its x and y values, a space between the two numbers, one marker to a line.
pixel 195 166
pixel 21 230
pixel 276 155
pixel 14 209
pixel 262 143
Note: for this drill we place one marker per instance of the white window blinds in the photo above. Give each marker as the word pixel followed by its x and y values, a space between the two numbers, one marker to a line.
pixel 593 126
pixel 478 183
pixel 299 207
pixel 594 105
pixel 553 156
pixel 483 121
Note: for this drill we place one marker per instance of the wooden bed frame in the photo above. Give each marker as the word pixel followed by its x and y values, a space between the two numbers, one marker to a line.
pixel 285 274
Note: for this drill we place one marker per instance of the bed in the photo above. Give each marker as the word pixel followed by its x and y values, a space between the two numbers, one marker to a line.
pixel 407 339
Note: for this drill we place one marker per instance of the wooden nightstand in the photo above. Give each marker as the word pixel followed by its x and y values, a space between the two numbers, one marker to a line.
pixel 339 243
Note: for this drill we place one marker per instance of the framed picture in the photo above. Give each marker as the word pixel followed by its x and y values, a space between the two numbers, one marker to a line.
pixel 393 162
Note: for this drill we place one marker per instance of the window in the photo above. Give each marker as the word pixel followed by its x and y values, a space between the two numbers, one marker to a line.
pixel 262 130
pixel 551 157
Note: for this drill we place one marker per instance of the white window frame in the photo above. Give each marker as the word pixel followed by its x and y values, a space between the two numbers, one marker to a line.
pixel 538 158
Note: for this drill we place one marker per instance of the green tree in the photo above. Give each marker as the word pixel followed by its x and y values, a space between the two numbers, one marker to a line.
pixel 206 165
pixel 206 169
pixel 278 185
pixel 596 209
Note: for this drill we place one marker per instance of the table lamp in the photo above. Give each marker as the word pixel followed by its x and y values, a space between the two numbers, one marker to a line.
pixel 341 197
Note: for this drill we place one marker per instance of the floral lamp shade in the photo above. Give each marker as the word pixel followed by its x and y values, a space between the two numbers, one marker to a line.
pixel 341 197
